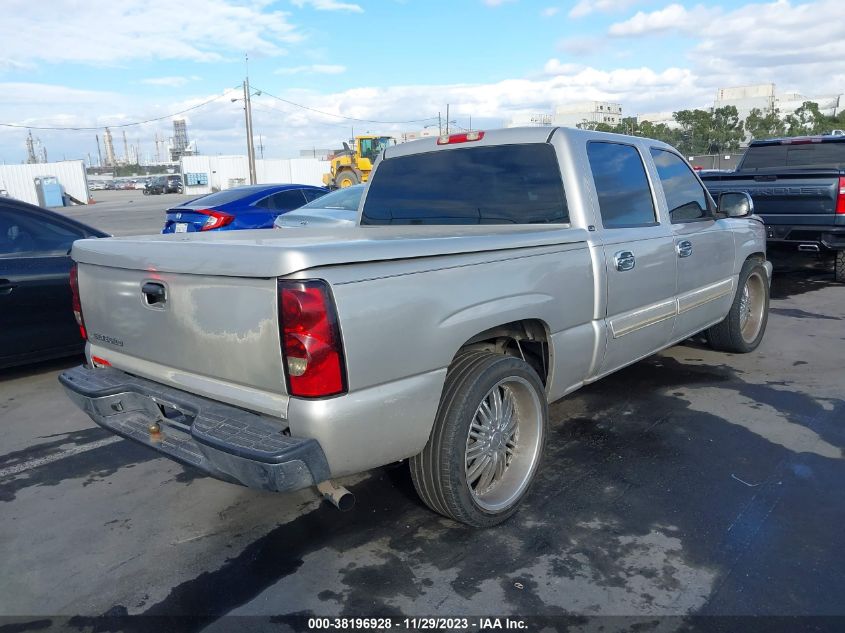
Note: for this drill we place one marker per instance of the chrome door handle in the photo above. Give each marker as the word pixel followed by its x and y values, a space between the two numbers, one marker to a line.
pixel 684 248
pixel 624 260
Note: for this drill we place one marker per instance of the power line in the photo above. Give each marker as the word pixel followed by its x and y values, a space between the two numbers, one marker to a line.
pixel 120 125
pixel 340 116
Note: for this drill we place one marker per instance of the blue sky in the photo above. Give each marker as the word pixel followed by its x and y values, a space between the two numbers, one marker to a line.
pixel 108 63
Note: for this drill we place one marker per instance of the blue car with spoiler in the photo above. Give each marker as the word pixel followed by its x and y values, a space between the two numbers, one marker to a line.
pixel 247 207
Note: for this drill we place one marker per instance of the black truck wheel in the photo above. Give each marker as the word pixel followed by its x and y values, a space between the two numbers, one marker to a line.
pixel 839 267
pixel 487 442
pixel 742 330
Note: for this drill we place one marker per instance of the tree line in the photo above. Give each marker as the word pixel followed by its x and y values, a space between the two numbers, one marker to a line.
pixel 720 130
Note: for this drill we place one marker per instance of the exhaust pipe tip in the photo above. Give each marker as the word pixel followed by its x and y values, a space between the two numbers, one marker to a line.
pixel 809 248
pixel 338 496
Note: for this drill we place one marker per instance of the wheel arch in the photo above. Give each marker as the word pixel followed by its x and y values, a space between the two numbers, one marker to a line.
pixel 529 339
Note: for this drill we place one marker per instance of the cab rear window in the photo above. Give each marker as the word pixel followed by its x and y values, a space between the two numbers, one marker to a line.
pixel 502 184
pixel 829 155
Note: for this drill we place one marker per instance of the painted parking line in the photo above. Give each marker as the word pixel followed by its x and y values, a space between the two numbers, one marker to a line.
pixel 41 461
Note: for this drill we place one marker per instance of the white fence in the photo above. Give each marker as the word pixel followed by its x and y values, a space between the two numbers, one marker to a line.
pixel 225 172
pixel 19 180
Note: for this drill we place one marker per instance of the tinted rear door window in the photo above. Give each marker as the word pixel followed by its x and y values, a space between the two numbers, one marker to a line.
pixel 621 184
pixel 33 235
pixel 685 197
pixel 283 200
pixel 502 184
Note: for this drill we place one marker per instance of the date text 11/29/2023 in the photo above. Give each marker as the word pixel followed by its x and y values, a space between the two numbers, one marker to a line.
pixel 416 624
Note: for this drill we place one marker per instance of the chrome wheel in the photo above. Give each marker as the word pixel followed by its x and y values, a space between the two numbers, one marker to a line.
pixel 751 306
pixel 503 444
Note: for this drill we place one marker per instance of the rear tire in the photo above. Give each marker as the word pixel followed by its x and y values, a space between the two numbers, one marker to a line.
pixel 743 329
pixel 487 442
pixel 839 267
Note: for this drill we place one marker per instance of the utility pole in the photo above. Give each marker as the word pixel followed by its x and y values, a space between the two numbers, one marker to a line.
pixel 261 146
pixel 447 119
pixel 250 146
pixel 439 125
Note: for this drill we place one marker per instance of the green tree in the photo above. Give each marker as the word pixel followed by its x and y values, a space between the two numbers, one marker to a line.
pixel 727 130
pixel 768 125
pixel 696 131
pixel 806 120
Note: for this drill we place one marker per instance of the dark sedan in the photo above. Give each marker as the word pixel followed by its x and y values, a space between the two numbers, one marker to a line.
pixel 248 207
pixel 36 312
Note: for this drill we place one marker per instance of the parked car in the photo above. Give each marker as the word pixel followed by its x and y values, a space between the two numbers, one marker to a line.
pixel 36 314
pixel 491 273
pixel 798 187
pixel 338 208
pixel 139 184
pixel 96 186
pixel 163 184
pixel 248 207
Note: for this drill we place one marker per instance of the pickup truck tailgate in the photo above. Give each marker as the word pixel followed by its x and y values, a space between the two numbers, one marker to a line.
pixel 208 333
pixel 802 197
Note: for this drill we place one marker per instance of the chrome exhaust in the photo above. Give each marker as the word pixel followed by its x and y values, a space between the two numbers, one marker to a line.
pixel 338 496
pixel 809 248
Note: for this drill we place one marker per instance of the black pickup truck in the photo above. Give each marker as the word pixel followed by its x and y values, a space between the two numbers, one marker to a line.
pixel 798 188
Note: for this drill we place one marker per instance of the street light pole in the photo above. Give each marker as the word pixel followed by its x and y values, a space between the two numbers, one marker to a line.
pixel 250 146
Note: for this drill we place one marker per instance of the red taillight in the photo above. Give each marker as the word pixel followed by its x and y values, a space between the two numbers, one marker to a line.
pixel 77 304
pixel 312 351
pixel 840 197
pixel 215 220
pixel 459 138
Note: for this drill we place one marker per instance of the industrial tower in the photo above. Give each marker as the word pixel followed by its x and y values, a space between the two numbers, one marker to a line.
pixel 107 141
pixel 180 140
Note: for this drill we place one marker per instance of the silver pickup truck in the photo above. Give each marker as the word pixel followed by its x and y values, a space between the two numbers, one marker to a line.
pixel 489 274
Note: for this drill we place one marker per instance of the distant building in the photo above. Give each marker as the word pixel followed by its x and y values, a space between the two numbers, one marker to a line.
pixel 320 154
pixel 658 118
pixel 573 115
pixel 766 98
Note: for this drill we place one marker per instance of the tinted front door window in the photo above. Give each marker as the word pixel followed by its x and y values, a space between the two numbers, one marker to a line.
pixel 621 185
pixel 685 197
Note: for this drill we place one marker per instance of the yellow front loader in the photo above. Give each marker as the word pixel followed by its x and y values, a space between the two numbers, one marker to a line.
pixel 353 165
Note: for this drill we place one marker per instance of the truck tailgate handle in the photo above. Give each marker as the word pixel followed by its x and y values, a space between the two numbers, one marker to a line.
pixel 624 260
pixel 154 293
pixel 684 248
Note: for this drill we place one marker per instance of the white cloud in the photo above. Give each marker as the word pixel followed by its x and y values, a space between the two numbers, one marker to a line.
pixel 321 69
pixel 586 7
pixel 671 17
pixel 113 33
pixel 549 12
pixel 170 82
pixel 329 5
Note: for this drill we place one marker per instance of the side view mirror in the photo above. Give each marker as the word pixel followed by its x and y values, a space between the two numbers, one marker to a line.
pixel 736 204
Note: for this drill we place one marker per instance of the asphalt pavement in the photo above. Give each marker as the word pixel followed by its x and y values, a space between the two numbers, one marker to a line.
pixel 126 212
pixel 693 482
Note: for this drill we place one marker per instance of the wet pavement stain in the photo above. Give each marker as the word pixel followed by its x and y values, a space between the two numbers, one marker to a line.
pixel 802 314
pixel 91 466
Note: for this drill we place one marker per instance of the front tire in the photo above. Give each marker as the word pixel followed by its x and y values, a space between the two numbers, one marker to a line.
pixel 347 178
pixel 839 267
pixel 487 442
pixel 742 330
